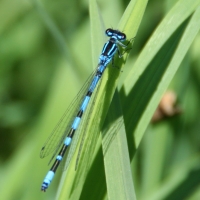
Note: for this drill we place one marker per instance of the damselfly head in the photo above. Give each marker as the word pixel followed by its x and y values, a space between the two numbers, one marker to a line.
pixel 115 34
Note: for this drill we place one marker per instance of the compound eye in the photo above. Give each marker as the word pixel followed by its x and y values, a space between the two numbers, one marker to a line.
pixel 109 32
pixel 121 36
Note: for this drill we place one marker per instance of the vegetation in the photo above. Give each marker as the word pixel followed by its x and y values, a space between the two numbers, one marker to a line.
pixel 49 48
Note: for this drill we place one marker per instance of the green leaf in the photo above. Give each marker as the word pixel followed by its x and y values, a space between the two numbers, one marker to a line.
pixel 116 157
pixel 155 68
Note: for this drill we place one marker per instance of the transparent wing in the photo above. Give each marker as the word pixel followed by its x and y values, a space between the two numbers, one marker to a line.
pixel 112 127
pixel 60 131
pixel 86 152
pixel 82 130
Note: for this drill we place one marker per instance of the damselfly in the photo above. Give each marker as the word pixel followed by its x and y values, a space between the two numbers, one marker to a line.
pixel 63 142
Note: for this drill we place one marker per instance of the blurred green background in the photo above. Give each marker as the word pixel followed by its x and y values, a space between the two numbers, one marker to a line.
pixel 45 57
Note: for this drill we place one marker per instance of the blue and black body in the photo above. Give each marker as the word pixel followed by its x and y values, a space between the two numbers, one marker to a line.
pixel 109 50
